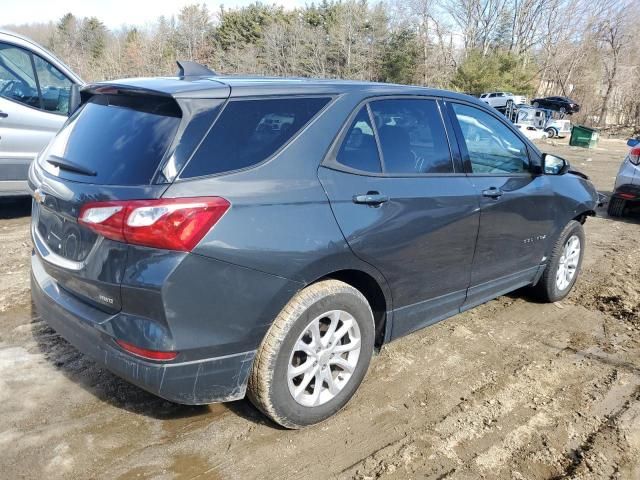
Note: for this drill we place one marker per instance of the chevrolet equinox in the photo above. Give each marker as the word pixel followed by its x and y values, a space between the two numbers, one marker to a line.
pixel 209 237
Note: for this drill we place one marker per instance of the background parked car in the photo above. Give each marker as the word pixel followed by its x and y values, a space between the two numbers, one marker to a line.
pixel 626 191
pixel 35 90
pixel 558 128
pixel 531 132
pixel 560 104
pixel 500 99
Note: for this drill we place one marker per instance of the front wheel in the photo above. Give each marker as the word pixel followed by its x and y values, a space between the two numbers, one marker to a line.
pixel 564 264
pixel 314 356
pixel 551 132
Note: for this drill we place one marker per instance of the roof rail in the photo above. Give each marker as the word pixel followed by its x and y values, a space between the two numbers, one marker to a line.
pixel 193 69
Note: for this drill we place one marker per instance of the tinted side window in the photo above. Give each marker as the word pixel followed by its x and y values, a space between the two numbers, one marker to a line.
pixel 54 87
pixel 359 149
pixel 492 146
pixel 17 79
pixel 412 136
pixel 250 131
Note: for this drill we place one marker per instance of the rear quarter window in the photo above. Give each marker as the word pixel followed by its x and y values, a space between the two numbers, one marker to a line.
pixel 250 131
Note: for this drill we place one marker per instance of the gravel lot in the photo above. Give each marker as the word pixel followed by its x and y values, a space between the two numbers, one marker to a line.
pixel 512 389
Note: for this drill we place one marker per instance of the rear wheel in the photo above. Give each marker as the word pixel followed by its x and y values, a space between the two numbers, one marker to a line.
pixel 616 207
pixel 314 356
pixel 564 264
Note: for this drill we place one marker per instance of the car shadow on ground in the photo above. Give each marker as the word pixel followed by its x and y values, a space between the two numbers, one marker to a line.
pixel 117 392
pixel 15 207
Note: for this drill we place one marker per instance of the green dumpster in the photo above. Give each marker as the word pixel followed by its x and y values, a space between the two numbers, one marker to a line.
pixel 582 136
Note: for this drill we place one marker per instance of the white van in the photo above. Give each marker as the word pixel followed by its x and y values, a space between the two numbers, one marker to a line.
pixel 35 93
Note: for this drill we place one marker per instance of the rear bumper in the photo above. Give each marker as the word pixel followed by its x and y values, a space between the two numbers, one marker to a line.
pixel 202 381
pixel 627 191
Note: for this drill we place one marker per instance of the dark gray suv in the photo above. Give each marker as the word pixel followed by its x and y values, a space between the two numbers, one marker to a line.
pixel 207 237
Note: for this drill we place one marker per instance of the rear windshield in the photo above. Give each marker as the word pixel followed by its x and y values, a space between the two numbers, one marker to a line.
pixel 114 139
pixel 250 131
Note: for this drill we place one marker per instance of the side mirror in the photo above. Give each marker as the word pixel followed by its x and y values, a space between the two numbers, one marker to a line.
pixel 74 98
pixel 632 142
pixel 552 165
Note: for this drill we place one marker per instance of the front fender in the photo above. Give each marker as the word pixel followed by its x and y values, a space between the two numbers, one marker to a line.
pixel 574 197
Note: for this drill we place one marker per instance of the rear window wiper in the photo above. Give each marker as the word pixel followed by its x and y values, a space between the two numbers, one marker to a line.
pixel 64 164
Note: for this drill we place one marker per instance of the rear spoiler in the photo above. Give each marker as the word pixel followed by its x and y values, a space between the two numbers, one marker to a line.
pixel 132 96
pixel 193 81
pixel 81 95
pixel 92 89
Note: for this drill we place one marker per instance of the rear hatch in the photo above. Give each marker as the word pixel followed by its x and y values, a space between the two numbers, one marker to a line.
pixel 122 144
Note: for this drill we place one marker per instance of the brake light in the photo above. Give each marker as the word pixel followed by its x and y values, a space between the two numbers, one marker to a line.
pixel 634 155
pixel 168 223
pixel 145 353
pixel 626 196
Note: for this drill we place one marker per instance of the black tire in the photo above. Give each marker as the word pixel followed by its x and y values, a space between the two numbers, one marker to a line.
pixel 547 289
pixel 551 132
pixel 616 207
pixel 268 387
pixel 536 104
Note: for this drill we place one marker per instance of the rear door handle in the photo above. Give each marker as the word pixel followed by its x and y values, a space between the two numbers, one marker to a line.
pixel 492 192
pixel 3 114
pixel 370 198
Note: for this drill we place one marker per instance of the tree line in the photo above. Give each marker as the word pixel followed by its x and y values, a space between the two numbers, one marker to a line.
pixel 586 49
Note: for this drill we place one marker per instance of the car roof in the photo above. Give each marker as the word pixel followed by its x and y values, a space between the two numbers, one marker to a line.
pixel 218 86
pixel 17 36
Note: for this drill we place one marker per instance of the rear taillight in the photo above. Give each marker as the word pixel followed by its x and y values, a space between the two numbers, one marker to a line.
pixel 168 223
pixel 626 196
pixel 634 156
pixel 146 353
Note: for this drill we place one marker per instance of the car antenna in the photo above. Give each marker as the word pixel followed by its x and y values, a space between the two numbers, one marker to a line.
pixel 193 69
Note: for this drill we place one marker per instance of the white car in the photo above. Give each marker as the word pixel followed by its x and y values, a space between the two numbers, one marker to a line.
pixel 35 95
pixel 558 128
pixel 531 132
pixel 500 99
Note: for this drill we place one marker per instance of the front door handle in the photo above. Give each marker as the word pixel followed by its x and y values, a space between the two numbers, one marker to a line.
pixel 370 198
pixel 3 114
pixel 492 192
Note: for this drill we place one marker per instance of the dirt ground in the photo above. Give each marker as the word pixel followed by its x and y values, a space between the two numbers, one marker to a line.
pixel 512 389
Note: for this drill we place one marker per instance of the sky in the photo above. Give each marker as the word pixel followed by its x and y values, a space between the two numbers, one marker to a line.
pixel 114 13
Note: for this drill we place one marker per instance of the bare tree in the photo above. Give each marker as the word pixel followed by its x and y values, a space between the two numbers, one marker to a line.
pixel 194 26
pixel 613 35
pixel 478 21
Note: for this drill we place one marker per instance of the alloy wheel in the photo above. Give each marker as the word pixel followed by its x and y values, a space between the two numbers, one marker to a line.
pixel 324 358
pixel 568 263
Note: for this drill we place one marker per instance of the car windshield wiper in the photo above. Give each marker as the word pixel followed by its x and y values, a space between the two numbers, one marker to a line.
pixel 64 164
